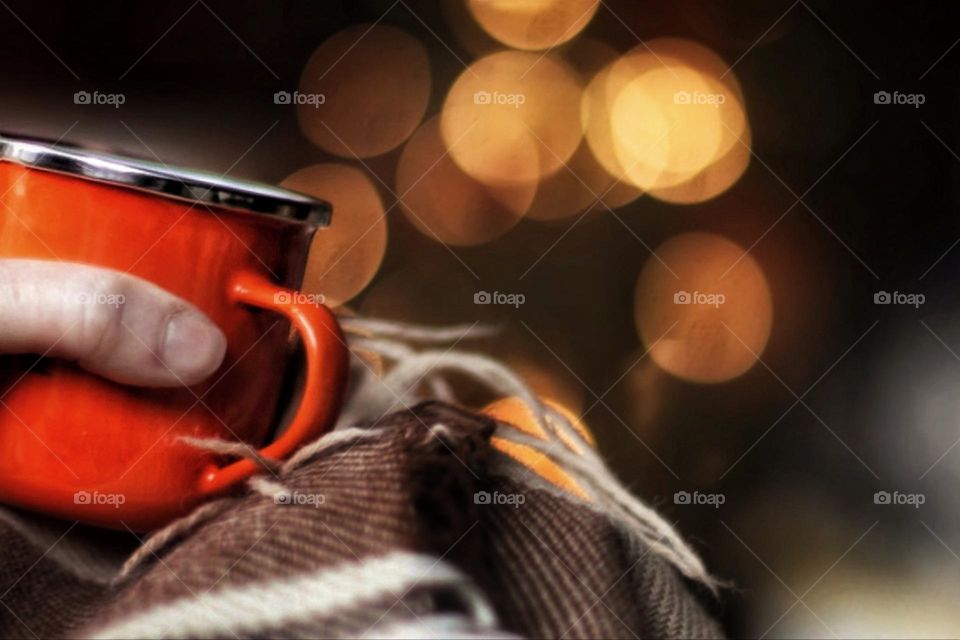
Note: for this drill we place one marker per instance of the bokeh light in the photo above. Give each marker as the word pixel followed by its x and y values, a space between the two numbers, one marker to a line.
pixel 465 30
pixel 703 308
pixel 716 178
pixel 665 118
pixel 533 24
pixel 345 256
pixel 375 86
pixel 734 151
pixel 509 101
pixel 446 204
pixel 597 100
pixel 581 185
pixel 658 140
pixel 871 601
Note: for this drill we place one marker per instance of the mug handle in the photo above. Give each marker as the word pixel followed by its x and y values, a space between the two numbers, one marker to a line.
pixel 326 374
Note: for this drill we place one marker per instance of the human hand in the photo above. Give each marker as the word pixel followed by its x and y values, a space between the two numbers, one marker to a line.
pixel 112 324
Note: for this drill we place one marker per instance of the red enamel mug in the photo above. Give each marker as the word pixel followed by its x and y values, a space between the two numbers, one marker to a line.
pixel 77 446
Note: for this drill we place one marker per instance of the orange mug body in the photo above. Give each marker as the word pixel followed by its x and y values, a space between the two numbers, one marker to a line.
pixel 78 446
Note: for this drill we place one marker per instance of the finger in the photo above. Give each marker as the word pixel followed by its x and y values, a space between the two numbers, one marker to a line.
pixel 115 325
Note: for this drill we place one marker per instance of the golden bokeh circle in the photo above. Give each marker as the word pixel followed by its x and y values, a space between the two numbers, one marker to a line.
pixel 584 185
pixel 449 206
pixel 715 179
pixel 508 101
pixel 345 256
pixel 660 140
pixel 703 308
pixel 733 154
pixel 663 114
pixel 596 104
pixel 375 85
pixel 533 24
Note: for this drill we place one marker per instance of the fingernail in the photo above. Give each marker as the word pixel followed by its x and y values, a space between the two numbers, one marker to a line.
pixel 193 347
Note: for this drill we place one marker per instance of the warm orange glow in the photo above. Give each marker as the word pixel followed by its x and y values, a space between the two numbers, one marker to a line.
pixel 375 85
pixel 660 141
pixel 734 152
pixel 504 104
pixel 584 184
pixel 660 117
pixel 597 101
pixel 713 180
pixel 465 30
pixel 581 185
pixel 699 324
pixel 446 204
pixel 533 24
pixel 346 255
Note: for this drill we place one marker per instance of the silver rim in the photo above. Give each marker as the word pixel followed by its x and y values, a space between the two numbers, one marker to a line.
pixel 172 182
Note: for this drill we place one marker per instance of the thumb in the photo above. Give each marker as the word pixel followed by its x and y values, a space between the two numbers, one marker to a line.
pixel 112 324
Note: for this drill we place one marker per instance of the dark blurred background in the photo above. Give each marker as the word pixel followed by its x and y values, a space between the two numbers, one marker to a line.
pixel 848 397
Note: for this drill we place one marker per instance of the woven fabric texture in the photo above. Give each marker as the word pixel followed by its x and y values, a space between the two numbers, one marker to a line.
pixel 380 535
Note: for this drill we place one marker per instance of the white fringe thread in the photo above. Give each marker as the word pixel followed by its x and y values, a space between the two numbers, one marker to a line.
pixel 372 396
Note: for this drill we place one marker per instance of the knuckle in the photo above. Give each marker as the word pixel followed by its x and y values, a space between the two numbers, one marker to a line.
pixel 100 324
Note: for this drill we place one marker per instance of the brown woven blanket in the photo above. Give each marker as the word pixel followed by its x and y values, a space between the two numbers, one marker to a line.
pixel 410 527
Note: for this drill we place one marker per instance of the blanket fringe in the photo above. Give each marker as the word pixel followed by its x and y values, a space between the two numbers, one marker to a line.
pixel 412 376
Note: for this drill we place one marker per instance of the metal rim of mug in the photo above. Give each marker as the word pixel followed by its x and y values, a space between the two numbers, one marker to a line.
pixel 189 185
